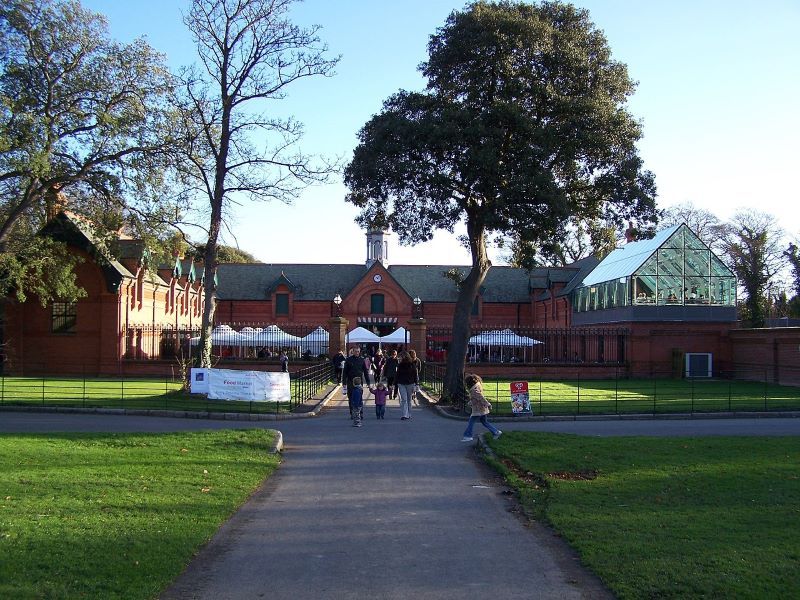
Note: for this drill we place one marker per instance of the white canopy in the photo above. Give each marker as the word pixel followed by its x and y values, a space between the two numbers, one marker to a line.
pixel 316 341
pixel 398 336
pixel 271 336
pixel 506 337
pixel 360 335
pixel 224 335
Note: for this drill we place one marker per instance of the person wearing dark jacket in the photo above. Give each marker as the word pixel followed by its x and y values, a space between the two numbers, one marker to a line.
pixel 389 373
pixel 418 366
pixel 354 368
pixel 338 366
pixel 407 381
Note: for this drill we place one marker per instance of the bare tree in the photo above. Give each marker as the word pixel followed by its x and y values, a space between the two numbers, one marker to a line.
pixel 752 244
pixel 249 52
pixel 704 223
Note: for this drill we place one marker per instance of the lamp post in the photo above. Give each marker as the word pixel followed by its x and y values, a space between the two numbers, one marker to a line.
pixel 417 307
pixel 337 304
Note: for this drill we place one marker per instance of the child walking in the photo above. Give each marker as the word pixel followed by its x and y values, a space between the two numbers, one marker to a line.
pixel 357 402
pixel 381 393
pixel 480 407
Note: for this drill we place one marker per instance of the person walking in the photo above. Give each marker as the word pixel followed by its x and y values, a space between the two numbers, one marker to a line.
pixel 357 402
pixel 284 362
pixel 369 369
pixel 418 366
pixel 389 373
pixel 377 364
pixel 338 366
pixel 480 407
pixel 354 367
pixel 407 379
pixel 381 393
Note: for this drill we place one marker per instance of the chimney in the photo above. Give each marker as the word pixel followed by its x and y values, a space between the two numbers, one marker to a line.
pixel 630 233
pixel 55 201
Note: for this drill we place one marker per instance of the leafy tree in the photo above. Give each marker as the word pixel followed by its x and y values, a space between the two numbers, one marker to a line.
pixel 226 254
pixel 578 239
pixel 751 242
pixel 791 254
pixel 81 117
pixel 705 224
pixel 249 53
pixel 522 127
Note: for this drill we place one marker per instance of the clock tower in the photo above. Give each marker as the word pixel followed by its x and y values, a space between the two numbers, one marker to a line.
pixel 377 247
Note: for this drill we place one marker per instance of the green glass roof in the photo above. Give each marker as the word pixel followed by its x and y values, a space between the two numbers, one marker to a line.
pixel 623 262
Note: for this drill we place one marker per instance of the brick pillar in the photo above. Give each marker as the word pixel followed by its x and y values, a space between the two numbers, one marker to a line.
pixel 417 337
pixel 337 328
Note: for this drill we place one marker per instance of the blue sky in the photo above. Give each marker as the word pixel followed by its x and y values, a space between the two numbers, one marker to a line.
pixel 718 89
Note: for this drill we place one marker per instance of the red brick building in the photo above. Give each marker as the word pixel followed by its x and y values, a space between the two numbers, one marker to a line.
pixel 640 311
pixel 127 309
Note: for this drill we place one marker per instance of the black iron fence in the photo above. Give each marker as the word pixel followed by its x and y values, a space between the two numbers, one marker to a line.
pixel 526 345
pixel 432 377
pixel 753 390
pixel 532 345
pixel 150 393
pixel 229 341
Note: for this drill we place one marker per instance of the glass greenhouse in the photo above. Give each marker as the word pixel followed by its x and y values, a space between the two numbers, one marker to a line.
pixel 674 268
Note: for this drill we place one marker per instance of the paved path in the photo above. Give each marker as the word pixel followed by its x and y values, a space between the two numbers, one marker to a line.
pixel 395 509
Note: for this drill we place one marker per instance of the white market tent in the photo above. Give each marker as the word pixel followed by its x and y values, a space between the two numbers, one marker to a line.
pixel 223 335
pixel 316 342
pixel 398 336
pixel 272 336
pixel 501 339
pixel 360 335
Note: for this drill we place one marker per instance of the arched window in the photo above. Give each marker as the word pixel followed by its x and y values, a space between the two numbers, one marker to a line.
pixel 376 304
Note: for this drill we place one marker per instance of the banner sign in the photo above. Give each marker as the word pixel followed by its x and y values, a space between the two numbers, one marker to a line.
pixel 199 380
pixel 251 386
pixel 520 401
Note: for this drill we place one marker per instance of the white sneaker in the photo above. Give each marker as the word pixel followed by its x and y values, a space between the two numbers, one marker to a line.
pixel 466 439
pixel 498 434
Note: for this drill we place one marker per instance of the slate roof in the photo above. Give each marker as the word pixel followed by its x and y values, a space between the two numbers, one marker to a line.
pixel 312 282
pixel 585 266
pixel 323 282
pixel 72 230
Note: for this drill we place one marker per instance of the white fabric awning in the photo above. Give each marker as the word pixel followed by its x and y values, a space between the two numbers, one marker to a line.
pixel 359 335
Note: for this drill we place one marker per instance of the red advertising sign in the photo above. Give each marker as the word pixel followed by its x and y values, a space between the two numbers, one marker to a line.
pixel 520 401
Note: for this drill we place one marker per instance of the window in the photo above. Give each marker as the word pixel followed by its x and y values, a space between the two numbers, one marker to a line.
pixel 281 304
pixel 376 304
pixel 64 317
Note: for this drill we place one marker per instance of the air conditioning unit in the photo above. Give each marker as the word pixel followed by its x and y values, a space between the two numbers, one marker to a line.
pixel 698 364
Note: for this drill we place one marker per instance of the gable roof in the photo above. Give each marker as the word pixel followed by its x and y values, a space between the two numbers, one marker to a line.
pixel 624 261
pixel 75 232
pixel 252 281
pixel 316 282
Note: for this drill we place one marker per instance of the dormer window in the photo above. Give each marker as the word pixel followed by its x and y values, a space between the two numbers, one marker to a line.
pixel 282 304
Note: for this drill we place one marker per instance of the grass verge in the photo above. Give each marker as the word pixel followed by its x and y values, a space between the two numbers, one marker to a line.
pixel 117 516
pixel 667 518
pixel 645 396
pixel 139 394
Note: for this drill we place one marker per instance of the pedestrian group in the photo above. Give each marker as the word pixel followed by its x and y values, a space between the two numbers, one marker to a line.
pixel 385 377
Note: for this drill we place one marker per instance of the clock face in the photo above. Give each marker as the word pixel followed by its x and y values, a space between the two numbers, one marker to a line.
pixel 377 278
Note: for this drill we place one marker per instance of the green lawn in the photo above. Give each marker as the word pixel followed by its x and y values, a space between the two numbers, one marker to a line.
pixel 645 396
pixel 130 393
pixel 716 517
pixel 117 516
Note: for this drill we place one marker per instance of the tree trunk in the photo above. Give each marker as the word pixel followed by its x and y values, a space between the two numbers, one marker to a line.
pixel 453 389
